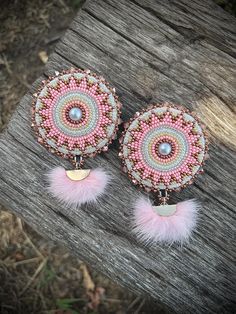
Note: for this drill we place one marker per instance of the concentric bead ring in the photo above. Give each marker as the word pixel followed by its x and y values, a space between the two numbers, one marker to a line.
pixel 76 113
pixel 163 148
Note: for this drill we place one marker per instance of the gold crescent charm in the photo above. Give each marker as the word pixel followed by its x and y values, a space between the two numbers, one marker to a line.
pixel 78 174
pixel 165 210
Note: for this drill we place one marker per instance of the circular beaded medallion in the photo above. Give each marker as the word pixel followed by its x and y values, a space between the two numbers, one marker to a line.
pixel 163 148
pixel 76 113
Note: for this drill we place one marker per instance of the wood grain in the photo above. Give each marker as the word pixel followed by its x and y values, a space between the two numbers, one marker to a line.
pixel 151 51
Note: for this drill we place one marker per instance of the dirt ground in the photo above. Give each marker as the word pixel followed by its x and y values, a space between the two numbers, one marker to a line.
pixel 37 276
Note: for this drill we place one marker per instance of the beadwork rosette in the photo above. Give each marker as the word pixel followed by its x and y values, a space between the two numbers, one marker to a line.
pixel 163 148
pixel 76 113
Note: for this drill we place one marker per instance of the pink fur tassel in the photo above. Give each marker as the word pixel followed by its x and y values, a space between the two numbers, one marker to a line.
pixel 77 192
pixel 151 227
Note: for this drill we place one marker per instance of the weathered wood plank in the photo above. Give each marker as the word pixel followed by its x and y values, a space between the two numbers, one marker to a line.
pixel 150 51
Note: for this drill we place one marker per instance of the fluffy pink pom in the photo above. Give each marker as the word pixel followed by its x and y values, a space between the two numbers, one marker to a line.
pixel 151 227
pixel 77 192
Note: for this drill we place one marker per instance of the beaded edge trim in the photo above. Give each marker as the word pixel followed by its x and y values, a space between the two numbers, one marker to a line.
pixel 42 141
pixel 167 105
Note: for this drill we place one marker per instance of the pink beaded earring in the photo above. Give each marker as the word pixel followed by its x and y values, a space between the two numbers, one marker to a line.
pixel 76 115
pixel 163 148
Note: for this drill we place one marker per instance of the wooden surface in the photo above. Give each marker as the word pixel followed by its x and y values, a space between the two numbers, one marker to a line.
pixel 150 50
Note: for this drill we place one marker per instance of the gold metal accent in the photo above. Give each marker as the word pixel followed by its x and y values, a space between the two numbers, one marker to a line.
pixel 78 174
pixel 165 210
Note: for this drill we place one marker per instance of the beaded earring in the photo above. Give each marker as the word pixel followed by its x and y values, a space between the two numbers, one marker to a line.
pixel 76 115
pixel 163 148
